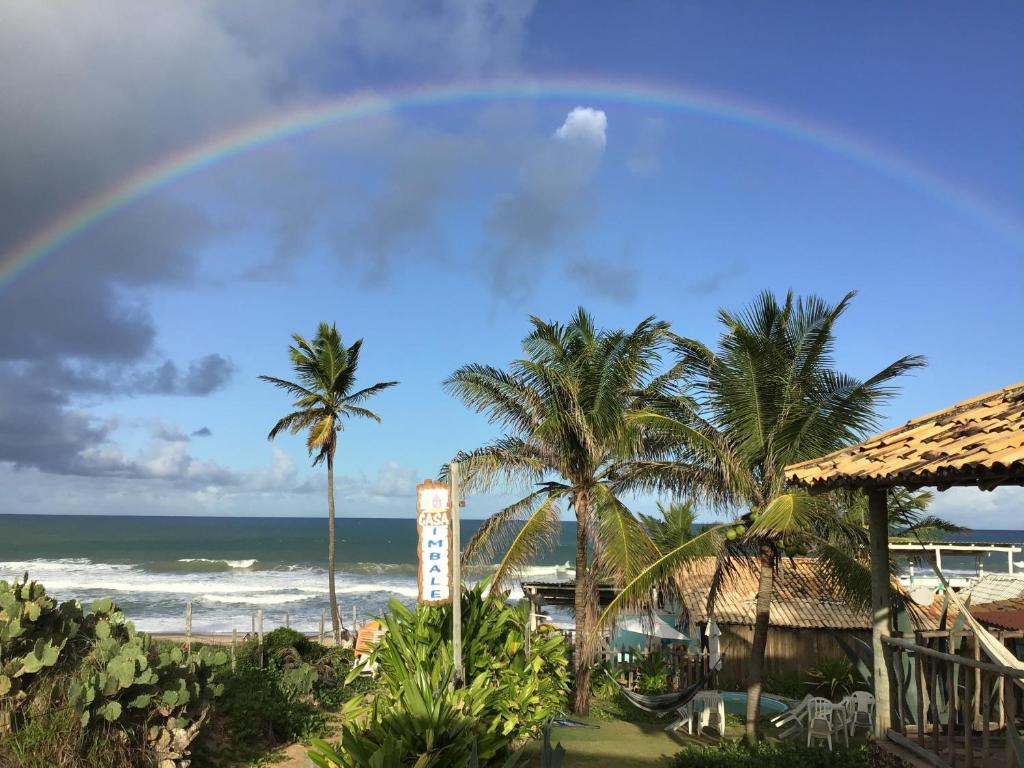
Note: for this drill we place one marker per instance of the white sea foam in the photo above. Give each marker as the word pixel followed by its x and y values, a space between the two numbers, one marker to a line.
pixel 229 563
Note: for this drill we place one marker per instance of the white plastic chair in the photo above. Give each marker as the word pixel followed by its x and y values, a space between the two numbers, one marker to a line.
pixel 825 718
pixel 793 720
pixel 707 710
pixel 860 710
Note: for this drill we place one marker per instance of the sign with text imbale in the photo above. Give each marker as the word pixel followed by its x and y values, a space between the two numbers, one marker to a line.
pixel 433 522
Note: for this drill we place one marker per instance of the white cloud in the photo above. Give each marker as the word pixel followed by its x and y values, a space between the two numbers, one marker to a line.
pixel 585 125
pixel 1002 508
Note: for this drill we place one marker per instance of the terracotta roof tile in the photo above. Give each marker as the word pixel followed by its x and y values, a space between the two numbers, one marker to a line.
pixel 803 598
pixel 979 441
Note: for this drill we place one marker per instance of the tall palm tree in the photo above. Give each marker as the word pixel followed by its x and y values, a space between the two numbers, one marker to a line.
pixel 768 396
pixel 565 410
pixel 325 370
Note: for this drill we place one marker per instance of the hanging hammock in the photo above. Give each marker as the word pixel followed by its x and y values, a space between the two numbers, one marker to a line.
pixel 992 645
pixel 660 704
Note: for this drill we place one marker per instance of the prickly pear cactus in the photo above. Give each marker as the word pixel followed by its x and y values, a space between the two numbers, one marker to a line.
pixel 34 632
pixel 117 674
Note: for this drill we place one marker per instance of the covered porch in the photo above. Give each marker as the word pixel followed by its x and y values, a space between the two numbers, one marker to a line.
pixel 977 443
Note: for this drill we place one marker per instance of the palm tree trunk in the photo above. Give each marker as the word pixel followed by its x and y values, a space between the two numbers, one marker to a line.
pixel 335 615
pixel 583 599
pixel 881 607
pixel 763 607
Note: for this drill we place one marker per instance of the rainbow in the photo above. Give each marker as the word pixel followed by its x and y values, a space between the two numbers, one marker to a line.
pixel 675 99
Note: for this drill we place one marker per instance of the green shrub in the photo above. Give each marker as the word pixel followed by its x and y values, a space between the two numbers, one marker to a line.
pixel 508 694
pixel 426 724
pixel 787 683
pixel 652 674
pixel 833 678
pixel 146 697
pixel 768 754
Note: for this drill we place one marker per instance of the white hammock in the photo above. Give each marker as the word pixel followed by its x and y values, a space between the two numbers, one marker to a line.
pixel 993 647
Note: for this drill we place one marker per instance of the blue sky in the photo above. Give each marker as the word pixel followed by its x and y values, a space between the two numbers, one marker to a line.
pixel 433 232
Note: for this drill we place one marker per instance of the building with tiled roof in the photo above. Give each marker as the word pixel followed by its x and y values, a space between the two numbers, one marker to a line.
pixel 978 442
pixel 993 587
pixel 1001 614
pixel 807 616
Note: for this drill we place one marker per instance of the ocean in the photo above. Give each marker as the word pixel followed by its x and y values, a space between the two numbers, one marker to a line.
pixel 229 567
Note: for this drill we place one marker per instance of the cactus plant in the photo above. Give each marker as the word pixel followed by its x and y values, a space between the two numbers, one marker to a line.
pixel 116 674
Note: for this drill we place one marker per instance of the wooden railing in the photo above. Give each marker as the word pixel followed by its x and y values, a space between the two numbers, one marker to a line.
pixel 953 706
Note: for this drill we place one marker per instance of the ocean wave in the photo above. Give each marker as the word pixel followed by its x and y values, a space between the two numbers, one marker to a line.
pixel 262 599
pixel 232 563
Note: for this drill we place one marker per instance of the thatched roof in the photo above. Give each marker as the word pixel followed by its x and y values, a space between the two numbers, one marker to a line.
pixel 979 442
pixel 803 598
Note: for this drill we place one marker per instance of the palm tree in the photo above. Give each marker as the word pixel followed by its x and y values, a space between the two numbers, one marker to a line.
pixel 565 409
pixel 768 396
pixel 326 373
pixel 675 525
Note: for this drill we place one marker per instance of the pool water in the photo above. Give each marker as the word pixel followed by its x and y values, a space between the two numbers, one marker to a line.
pixel 736 704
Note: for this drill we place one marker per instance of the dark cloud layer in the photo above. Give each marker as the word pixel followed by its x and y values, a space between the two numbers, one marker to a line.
pixel 89 95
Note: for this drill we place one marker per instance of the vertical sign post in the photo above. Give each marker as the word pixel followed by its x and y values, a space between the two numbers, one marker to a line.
pixel 434 575
pixel 456 548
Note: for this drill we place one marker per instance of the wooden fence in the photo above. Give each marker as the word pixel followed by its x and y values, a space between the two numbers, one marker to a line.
pixel 953 706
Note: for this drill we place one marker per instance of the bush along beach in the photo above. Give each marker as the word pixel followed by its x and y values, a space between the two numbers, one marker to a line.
pixel 418 716
pixel 84 688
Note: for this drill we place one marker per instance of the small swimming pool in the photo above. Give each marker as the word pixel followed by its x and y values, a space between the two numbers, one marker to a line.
pixel 736 704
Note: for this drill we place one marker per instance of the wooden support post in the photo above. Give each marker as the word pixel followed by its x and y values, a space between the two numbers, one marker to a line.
pixel 951 712
pixel 922 718
pixel 968 715
pixel 188 629
pixel 933 674
pixel 881 601
pixel 355 625
pixel 901 687
pixel 321 627
pixel 234 641
pixel 259 633
pixel 1010 708
pixel 456 555
pixel 986 716
pixel 287 621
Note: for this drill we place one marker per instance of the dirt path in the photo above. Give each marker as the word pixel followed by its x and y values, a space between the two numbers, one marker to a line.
pixel 294 757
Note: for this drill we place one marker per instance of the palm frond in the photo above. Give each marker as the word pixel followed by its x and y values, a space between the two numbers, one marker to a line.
pixel 637 591
pixel 622 544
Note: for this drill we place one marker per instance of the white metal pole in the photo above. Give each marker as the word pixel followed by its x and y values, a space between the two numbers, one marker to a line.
pixel 456 554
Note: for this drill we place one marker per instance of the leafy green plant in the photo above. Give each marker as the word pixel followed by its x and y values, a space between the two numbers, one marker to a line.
pixel 424 725
pixel 97 666
pixel 509 692
pixel 833 677
pixel 768 754
pixel 786 682
pixel 652 674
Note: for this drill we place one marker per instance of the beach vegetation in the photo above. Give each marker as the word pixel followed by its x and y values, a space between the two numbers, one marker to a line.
pixel 418 716
pixel 570 443
pixel 325 399
pixel 768 395
pixel 285 691
pixel 769 754
pixel 136 696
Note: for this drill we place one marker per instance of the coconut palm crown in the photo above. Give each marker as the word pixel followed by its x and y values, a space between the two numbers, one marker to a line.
pixel 767 397
pixel 565 408
pixel 325 372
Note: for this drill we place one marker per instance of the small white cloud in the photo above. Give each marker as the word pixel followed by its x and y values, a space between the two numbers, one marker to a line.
pixel 586 126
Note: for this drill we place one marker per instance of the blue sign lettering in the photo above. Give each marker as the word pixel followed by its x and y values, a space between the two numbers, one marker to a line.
pixel 434 555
